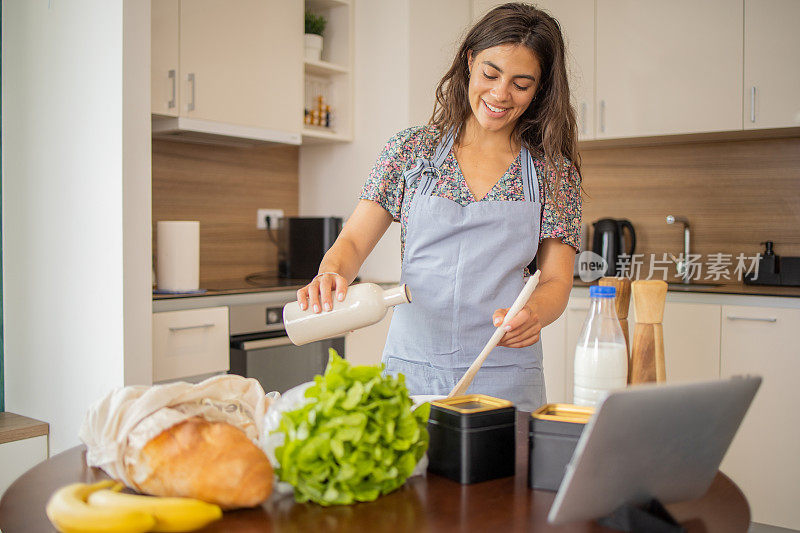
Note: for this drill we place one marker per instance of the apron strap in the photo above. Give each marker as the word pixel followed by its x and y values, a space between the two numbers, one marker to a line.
pixel 530 182
pixel 444 148
pixel 428 169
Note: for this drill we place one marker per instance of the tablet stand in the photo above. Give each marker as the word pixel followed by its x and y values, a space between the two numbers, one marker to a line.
pixel 650 517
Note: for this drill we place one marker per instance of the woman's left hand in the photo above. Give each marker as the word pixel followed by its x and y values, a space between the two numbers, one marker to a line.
pixel 523 329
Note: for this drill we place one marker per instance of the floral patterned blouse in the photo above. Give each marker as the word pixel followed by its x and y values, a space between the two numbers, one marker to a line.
pixel 387 187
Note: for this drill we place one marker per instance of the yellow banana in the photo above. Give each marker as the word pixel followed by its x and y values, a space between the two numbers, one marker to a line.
pixel 68 511
pixel 171 514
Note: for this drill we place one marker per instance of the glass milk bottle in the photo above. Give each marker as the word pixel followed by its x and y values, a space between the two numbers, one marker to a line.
pixel 363 305
pixel 601 359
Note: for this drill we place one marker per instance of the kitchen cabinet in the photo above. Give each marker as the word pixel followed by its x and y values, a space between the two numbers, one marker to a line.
pixel 576 18
pixel 691 340
pixel 164 31
pixel 576 313
pixel 763 457
pixel 691 343
pixel 190 342
pixel 239 68
pixel 16 457
pixel 365 346
pixel 554 339
pixel 771 59
pixel 668 67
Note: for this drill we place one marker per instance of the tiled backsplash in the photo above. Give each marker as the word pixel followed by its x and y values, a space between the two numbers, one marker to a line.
pixel 735 194
pixel 223 187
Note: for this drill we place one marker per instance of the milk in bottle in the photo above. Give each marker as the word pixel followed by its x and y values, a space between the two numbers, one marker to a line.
pixel 601 359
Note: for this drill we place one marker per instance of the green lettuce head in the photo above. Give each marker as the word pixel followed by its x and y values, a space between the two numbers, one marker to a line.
pixel 355 439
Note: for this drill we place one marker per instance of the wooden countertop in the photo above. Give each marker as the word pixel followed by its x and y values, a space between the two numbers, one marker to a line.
pixel 430 504
pixel 17 427
pixel 275 284
pixel 724 288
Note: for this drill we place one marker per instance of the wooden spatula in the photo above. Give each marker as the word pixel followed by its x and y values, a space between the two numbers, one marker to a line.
pixel 464 383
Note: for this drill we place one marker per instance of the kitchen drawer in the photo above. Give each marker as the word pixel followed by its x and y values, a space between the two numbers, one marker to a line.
pixel 191 342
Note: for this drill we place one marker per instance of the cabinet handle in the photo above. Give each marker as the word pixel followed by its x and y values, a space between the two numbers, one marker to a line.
pixel 751 318
pixel 171 103
pixel 603 116
pixel 753 103
pixel 583 117
pixel 190 105
pixel 198 326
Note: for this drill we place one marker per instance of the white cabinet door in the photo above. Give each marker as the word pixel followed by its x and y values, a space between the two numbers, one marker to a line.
pixel 364 346
pixel 576 18
pixel 241 62
pixel 691 341
pixel 164 18
pixel 16 457
pixel 771 64
pixel 554 349
pixel 763 459
pixel 668 67
pixel 576 313
pixel 190 343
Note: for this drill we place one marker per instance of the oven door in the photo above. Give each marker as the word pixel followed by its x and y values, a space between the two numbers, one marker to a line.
pixel 279 365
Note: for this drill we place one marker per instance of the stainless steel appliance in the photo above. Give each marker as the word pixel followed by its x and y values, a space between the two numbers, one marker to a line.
pixel 261 349
pixel 609 241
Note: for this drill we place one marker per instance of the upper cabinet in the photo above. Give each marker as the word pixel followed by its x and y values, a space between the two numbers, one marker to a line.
pixel 164 31
pixel 239 68
pixel 576 18
pixel 771 64
pixel 668 67
pixel 641 68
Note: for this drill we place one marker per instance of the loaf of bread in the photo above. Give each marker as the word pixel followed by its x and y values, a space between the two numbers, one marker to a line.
pixel 211 461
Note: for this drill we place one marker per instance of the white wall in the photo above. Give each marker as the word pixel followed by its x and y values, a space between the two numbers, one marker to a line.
pixel 397 67
pixel 70 149
pixel 137 193
pixel 435 33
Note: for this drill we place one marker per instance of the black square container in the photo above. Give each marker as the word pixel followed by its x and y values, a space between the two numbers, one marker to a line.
pixel 554 432
pixel 472 438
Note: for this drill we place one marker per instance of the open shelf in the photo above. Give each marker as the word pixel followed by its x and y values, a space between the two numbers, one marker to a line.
pixel 324 68
pixel 329 80
pixel 316 136
pixel 326 4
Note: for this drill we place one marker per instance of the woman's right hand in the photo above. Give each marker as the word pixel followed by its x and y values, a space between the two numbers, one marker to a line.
pixel 318 294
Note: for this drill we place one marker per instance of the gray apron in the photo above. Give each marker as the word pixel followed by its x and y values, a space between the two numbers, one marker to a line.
pixel 461 263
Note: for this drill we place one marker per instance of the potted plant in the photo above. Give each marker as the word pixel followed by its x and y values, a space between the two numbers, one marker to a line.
pixel 315 26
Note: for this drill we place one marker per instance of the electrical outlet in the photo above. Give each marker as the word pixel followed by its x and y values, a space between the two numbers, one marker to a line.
pixel 273 214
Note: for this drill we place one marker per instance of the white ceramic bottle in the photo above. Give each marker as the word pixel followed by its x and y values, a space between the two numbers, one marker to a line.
pixel 364 304
pixel 601 359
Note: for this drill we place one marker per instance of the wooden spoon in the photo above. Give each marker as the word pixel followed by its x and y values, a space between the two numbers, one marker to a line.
pixel 464 383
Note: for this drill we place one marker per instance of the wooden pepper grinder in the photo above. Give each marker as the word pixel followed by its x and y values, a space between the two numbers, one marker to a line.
pixel 622 301
pixel 647 349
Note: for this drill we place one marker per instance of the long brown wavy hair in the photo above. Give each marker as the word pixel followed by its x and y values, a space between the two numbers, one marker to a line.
pixel 547 127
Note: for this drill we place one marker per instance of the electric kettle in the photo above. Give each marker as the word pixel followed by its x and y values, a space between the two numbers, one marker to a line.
pixel 609 242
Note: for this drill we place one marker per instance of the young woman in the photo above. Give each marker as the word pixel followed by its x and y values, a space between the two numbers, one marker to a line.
pixel 492 182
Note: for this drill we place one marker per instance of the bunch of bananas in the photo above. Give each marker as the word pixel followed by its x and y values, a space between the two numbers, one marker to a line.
pixel 83 508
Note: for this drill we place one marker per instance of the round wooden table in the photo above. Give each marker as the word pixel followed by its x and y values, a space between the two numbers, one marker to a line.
pixel 431 503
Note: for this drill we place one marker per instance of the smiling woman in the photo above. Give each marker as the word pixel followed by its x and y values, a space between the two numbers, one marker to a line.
pixel 489 185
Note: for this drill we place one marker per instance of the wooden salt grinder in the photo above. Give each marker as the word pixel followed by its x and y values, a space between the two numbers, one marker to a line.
pixel 647 349
pixel 622 301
